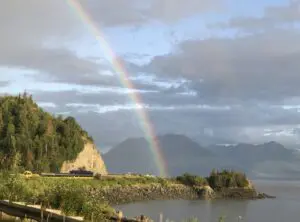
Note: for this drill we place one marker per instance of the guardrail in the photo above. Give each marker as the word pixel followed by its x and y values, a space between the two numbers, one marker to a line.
pixel 34 212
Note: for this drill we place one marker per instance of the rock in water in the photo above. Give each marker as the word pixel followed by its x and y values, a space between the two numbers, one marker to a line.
pixel 89 159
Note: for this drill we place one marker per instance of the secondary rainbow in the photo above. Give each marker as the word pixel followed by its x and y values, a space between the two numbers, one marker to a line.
pixel 125 81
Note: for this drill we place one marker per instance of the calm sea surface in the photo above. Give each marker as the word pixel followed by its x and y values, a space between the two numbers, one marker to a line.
pixel 285 208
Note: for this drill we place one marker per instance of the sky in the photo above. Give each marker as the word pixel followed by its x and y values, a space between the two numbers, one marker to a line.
pixel 219 71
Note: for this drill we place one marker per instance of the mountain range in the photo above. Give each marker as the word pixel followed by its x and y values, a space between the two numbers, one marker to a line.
pixel 182 154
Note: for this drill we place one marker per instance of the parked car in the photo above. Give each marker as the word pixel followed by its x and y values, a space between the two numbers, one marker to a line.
pixel 29 174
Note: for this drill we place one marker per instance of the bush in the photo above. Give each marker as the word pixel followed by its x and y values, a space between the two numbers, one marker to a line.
pixel 227 179
pixel 14 188
pixel 97 211
pixel 192 180
pixel 98 176
pixel 72 199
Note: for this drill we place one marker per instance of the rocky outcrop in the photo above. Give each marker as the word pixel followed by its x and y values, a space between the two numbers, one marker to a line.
pixel 236 193
pixel 265 196
pixel 206 192
pixel 89 159
pixel 116 195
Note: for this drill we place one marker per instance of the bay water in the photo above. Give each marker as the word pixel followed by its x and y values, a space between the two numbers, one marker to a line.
pixel 285 208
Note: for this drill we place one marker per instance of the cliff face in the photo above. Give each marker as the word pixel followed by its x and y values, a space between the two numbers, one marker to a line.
pixel 89 158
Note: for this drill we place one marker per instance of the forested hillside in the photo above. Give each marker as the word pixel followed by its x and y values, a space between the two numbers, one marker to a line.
pixel 33 139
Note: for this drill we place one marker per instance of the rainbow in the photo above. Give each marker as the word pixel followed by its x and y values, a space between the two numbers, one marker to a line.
pixel 125 81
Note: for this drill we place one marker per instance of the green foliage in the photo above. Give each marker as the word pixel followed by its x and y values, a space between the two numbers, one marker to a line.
pixel 32 139
pixel 95 211
pixel 68 195
pixel 192 180
pixel 13 188
pixel 227 179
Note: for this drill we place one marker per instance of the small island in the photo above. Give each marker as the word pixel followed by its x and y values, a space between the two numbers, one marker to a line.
pixel 34 140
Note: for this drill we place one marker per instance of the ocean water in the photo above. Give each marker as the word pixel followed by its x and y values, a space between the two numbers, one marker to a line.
pixel 285 208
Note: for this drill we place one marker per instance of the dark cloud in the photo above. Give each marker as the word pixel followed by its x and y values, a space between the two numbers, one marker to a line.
pixel 260 66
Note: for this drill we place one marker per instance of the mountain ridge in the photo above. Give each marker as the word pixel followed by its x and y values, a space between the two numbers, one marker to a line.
pixel 183 154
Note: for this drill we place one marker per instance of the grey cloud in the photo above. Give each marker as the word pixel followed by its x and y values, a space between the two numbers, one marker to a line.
pixel 261 66
pixel 27 23
pixel 57 65
pixel 170 10
pixel 4 83
pixel 289 13
pixel 274 17
pixel 43 18
pixel 28 29
pixel 123 12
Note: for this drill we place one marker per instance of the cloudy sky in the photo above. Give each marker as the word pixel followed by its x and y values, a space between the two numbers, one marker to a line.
pixel 220 71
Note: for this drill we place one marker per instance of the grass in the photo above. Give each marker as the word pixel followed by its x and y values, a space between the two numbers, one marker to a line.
pixel 68 194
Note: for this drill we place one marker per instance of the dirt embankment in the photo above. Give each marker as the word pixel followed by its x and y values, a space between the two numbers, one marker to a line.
pixel 89 158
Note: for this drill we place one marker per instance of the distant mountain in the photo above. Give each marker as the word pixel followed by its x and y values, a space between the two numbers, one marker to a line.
pixel 258 160
pixel 248 154
pixel 180 153
pixel 183 154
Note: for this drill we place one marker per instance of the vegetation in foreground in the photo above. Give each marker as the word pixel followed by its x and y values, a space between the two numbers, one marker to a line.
pixel 70 196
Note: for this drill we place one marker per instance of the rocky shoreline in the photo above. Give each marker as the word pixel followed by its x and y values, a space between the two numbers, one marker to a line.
pixel 127 194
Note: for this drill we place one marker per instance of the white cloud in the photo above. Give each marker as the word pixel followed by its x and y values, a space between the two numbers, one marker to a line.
pixel 47 104
pixel 114 108
pixel 159 82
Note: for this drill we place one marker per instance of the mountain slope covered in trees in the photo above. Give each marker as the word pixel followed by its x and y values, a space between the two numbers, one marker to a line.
pixel 33 139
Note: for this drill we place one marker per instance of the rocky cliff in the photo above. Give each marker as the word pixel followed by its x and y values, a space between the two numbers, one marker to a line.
pixel 89 158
